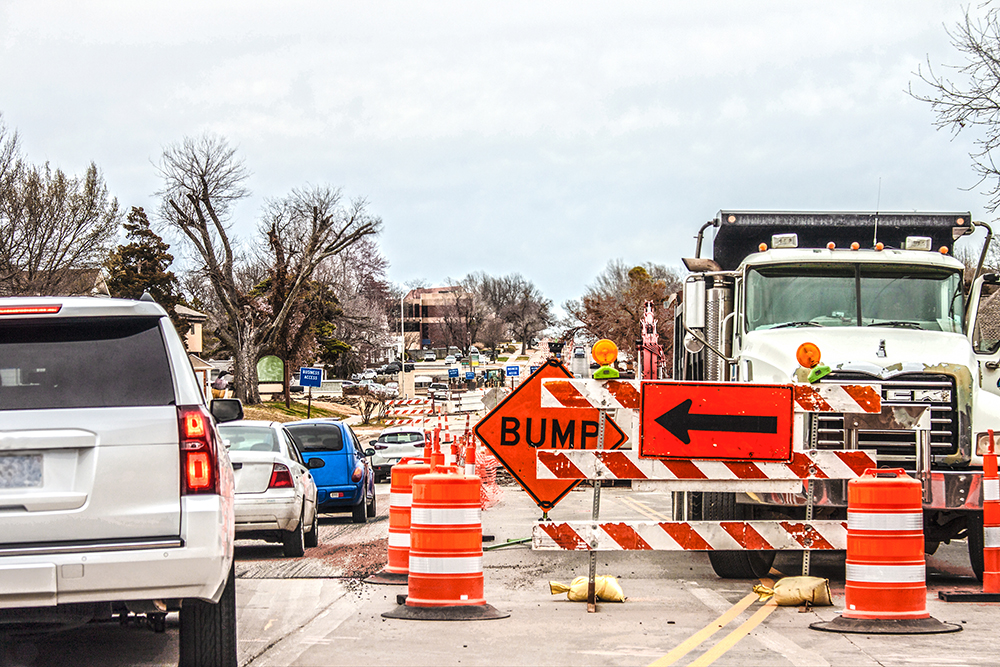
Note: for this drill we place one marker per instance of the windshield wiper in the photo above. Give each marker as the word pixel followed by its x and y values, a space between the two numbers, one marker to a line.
pixel 896 323
pixel 795 324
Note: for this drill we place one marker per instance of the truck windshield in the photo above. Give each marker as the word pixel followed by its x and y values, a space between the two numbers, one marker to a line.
pixel 874 295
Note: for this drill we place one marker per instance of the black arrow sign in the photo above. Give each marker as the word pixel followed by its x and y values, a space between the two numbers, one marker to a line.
pixel 679 421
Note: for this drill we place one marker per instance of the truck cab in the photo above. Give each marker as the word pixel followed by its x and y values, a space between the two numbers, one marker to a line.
pixel 885 301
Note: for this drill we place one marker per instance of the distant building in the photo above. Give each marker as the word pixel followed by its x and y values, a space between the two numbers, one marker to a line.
pixel 424 312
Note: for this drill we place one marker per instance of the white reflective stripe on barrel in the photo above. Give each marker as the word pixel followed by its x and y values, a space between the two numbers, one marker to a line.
pixel 445 516
pixel 399 540
pixel 991 489
pixel 885 574
pixel 460 565
pixel 397 499
pixel 991 537
pixel 885 521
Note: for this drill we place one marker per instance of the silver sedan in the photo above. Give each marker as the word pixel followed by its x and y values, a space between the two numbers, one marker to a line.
pixel 275 492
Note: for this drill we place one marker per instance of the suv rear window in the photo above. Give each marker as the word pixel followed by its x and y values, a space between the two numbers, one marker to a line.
pixel 83 363
pixel 317 437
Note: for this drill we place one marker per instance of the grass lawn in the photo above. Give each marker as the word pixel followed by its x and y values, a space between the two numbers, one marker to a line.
pixel 277 412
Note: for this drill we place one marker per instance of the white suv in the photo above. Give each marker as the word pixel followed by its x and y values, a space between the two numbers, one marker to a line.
pixel 115 492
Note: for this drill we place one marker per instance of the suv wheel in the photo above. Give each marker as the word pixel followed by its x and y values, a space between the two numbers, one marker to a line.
pixel 358 511
pixel 372 511
pixel 312 537
pixel 208 631
pixel 293 541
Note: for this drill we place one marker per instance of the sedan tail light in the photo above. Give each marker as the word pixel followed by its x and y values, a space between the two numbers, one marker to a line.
pixel 281 478
pixel 358 474
pixel 199 457
pixel 378 446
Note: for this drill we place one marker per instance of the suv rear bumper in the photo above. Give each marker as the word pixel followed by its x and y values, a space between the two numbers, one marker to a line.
pixel 193 566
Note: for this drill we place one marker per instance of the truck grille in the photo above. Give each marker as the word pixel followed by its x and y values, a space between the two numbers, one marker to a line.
pixel 899 447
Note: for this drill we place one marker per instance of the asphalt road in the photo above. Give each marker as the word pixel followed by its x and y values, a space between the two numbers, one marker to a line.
pixel 317 611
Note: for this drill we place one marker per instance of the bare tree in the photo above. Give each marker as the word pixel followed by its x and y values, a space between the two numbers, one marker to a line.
pixel 969 99
pixel 613 306
pixel 203 179
pixel 55 230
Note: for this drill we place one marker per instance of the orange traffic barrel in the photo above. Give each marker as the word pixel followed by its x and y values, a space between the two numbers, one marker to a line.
pixel 400 498
pixel 446 551
pixel 886 589
pixel 991 522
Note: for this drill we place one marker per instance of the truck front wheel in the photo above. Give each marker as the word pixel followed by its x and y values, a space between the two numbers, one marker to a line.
pixel 734 564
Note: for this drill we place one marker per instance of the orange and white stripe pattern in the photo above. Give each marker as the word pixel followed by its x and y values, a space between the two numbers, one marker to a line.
pixel 689 535
pixel 596 464
pixel 991 521
pixel 837 397
pixel 626 395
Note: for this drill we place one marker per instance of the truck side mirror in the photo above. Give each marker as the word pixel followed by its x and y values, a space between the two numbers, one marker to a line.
pixel 694 303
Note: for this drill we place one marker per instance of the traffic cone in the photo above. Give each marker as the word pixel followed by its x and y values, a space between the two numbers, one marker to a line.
pixel 446 552
pixel 886 589
pixel 991 536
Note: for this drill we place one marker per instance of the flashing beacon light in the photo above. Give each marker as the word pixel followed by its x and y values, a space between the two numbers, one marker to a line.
pixel 879 246
pixel 762 247
pixel 808 356
pixel 605 353
pixel 855 245
pixel 943 250
pixel 831 245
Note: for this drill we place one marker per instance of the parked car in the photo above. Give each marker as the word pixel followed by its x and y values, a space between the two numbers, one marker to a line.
pixel 369 374
pixel 579 352
pixel 450 359
pixel 393 444
pixel 116 486
pixel 430 356
pixel 340 467
pixel 408 367
pixel 393 367
pixel 275 492
pixel 438 390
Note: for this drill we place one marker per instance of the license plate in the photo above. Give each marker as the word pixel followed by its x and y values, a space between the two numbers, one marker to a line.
pixel 20 471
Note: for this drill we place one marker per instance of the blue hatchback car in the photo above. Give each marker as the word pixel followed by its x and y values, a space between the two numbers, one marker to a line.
pixel 344 478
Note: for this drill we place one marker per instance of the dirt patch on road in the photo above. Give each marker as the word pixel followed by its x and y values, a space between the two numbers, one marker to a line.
pixel 354 560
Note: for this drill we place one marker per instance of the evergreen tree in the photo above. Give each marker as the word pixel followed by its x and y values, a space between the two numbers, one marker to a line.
pixel 141 266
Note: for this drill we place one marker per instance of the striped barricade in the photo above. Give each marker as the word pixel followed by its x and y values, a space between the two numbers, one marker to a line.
pixel 700 475
pixel 689 535
pixel 626 395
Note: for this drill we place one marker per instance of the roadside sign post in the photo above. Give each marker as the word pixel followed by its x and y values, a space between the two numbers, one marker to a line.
pixel 513 372
pixel 310 377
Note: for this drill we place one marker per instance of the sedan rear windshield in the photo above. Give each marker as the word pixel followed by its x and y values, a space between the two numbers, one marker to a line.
pixel 83 363
pixel 317 437
pixel 249 438
pixel 392 438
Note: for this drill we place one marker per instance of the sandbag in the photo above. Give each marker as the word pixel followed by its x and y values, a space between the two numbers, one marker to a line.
pixel 605 586
pixel 793 591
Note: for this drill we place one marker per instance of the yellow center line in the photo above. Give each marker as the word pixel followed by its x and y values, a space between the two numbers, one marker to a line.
pixel 727 642
pixel 642 509
pixel 697 638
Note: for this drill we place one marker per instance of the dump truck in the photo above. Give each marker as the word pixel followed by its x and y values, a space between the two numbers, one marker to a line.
pixel 884 301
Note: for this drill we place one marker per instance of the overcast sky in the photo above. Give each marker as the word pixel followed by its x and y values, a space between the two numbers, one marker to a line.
pixel 538 137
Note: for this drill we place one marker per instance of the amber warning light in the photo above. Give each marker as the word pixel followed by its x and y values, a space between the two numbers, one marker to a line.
pixel 808 356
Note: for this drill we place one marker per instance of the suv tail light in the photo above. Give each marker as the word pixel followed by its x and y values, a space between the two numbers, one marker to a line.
pixel 281 478
pixel 359 472
pixel 199 458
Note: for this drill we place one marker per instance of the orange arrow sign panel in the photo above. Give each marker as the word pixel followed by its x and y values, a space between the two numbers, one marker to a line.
pixel 714 420
pixel 518 426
